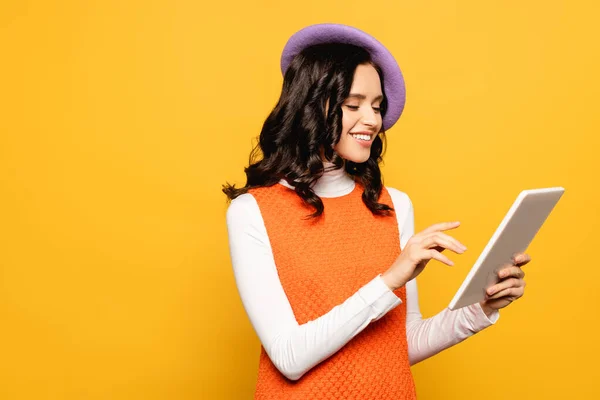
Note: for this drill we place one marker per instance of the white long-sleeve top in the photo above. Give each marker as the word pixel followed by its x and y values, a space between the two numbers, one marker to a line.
pixel 293 348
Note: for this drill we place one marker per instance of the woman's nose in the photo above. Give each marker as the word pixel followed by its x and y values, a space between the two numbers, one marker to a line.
pixel 369 118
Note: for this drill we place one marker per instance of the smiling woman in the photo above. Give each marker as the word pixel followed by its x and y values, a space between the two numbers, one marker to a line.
pixel 332 294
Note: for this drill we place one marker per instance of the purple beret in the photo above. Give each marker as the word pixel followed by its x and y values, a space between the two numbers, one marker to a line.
pixel 393 82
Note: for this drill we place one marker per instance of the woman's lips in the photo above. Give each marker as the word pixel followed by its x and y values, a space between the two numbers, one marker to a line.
pixel 364 143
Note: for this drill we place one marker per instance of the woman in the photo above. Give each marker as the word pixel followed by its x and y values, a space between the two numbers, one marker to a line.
pixel 324 256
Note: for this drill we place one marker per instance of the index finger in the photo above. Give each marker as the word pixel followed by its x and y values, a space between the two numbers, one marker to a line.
pixel 521 259
pixel 444 226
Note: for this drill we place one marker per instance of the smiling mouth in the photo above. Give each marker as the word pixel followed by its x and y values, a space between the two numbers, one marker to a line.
pixel 362 137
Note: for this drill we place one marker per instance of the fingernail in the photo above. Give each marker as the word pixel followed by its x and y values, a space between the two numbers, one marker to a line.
pixel 490 292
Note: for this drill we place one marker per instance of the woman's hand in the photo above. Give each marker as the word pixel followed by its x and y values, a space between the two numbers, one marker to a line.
pixel 510 288
pixel 419 250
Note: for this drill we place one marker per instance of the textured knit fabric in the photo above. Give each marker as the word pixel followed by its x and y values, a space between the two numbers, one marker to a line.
pixel 318 277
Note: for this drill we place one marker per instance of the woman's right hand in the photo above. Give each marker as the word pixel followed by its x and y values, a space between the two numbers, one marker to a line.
pixel 419 250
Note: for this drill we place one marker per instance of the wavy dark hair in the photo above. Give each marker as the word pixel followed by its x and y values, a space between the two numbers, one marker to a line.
pixel 299 133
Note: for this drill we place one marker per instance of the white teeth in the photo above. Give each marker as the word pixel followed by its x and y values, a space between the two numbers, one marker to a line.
pixel 362 137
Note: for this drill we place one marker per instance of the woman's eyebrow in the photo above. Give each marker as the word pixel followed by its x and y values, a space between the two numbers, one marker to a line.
pixel 362 96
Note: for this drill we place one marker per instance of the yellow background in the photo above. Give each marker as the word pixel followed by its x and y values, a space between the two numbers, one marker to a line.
pixel 120 120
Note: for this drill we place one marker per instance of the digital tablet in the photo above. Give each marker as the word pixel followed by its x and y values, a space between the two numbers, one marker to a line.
pixel 513 235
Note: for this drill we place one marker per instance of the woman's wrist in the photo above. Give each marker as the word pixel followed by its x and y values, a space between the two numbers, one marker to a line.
pixel 486 309
pixel 390 281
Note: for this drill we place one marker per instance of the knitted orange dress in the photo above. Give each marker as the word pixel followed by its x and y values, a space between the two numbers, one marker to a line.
pixel 320 264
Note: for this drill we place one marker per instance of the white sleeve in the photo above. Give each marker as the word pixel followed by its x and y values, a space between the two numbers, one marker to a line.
pixel 294 349
pixel 427 337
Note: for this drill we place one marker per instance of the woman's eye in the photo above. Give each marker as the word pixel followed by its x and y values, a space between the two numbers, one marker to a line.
pixel 355 108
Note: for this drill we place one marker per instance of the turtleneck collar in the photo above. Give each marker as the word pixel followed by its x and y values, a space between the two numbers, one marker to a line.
pixel 333 183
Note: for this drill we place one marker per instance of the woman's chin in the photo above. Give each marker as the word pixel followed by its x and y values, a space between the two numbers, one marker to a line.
pixel 357 158
pixel 354 152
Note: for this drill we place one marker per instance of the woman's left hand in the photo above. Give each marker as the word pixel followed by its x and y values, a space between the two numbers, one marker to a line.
pixel 511 285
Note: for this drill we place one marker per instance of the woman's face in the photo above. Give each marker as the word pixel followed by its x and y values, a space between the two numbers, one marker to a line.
pixel 362 119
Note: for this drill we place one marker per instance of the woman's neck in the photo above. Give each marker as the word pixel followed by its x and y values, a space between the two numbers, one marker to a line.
pixel 333 183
